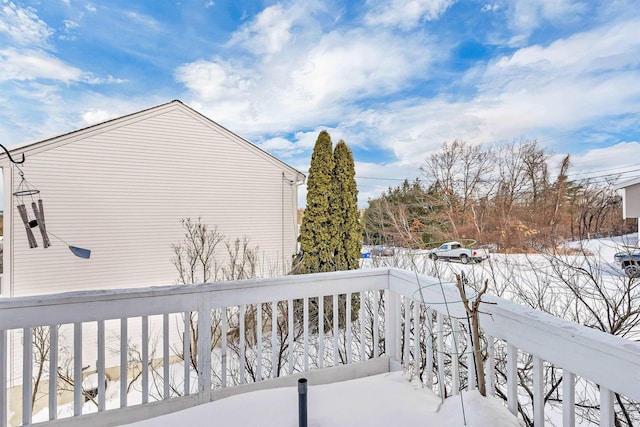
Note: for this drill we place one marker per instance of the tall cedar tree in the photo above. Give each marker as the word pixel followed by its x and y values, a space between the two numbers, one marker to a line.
pixel 317 248
pixel 344 210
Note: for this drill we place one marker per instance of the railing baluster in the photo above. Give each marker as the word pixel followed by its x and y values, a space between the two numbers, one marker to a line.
pixel 512 379
pixel 362 325
pixel 204 343
pixel 27 374
pixel 101 365
pixel 440 349
pixel 186 351
pixel 165 355
pixel 223 344
pixel 274 339
pixel 336 329
pixel 290 333
pixel 145 359
pixel 243 344
pixel 607 412
pixel 456 347
pixel 471 363
pixel 4 362
pixel 407 331
pixel 123 361
pixel 259 341
pixel 53 373
pixel 78 398
pixel 428 317
pixel 568 398
pixel 305 320
pixel 376 324
pixel 321 331
pixel 538 392
pixel 417 337
pixel 349 346
pixel 490 366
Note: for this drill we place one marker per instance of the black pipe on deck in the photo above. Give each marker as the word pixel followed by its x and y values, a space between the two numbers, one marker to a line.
pixel 302 402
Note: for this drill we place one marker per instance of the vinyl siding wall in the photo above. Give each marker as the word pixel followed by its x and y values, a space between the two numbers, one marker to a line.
pixel 121 189
pixel 632 201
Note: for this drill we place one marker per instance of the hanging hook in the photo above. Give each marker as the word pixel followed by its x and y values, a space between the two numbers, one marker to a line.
pixel 11 158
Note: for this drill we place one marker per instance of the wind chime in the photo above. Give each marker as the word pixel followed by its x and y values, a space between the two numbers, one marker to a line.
pixel 25 195
pixel 27 191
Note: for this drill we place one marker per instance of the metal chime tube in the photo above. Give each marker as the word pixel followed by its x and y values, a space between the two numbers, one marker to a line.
pixel 25 219
pixel 38 211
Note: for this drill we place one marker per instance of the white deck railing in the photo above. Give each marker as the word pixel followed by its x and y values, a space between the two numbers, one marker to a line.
pixel 264 334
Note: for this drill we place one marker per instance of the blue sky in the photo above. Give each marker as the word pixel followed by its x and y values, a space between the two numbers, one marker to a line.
pixel 394 79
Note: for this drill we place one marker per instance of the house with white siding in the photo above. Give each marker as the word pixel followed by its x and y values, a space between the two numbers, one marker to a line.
pixel 120 189
pixel 631 200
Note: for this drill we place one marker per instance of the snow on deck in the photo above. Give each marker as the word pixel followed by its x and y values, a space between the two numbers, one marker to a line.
pixel 383 400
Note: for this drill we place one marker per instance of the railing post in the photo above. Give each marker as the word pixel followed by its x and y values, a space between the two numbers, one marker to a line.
pixel 204 343
pixel 391 326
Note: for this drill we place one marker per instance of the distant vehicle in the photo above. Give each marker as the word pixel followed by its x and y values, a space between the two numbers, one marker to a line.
pixel 454 250
pixel 629 261
pixel 380 250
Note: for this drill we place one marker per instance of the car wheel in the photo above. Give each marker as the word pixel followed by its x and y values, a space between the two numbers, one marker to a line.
pixel 632 271
pixel 433 257
pixel 464 259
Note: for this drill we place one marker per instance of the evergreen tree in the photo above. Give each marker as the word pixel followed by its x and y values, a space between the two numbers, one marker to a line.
pixel 316 243
pixel 347 232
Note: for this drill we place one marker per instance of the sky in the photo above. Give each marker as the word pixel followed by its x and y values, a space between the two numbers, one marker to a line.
pixel 394 79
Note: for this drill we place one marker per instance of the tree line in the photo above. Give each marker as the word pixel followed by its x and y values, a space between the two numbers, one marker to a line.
pixel 504 195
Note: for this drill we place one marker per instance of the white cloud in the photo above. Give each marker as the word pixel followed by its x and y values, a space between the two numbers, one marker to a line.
pixel 268 33
pixel 405 13
pixel 608 47
pixel 564 85
pixel 97 115
pixel 32 64
pixel 527 16
pixel 623 154
pixel 23 25
pixel 356 64
pixel 313 84
pixel 215 80
pixel 490 7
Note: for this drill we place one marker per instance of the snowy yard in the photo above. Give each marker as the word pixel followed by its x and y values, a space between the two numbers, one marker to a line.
pixel 382 400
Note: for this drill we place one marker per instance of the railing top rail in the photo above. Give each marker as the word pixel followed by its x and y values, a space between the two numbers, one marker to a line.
pixel 67 307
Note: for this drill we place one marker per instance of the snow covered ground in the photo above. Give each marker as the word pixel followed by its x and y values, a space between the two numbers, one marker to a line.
pixel 381 400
